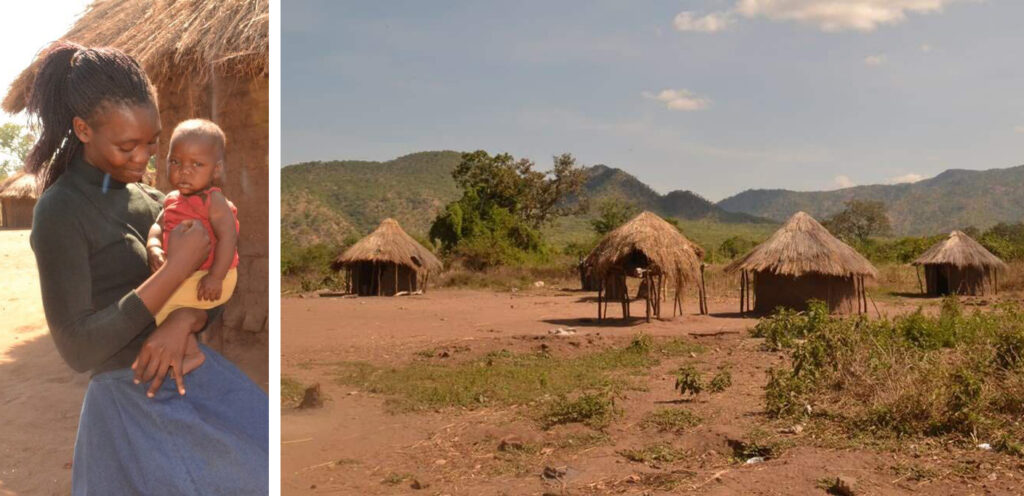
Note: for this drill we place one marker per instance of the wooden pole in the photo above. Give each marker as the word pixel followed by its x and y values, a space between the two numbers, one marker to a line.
pixel 743 290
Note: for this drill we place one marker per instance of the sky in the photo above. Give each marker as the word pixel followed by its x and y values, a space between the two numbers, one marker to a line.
pixel 712 96
pixel 26 28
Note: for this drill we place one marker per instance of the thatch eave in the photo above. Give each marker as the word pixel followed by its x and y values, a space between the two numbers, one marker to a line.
pixel 389 243
pixel 21 186
pixel 668 251
pixel 960 250
pixel 182 41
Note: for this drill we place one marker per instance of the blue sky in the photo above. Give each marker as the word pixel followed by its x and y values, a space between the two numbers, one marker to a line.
pixel 711 96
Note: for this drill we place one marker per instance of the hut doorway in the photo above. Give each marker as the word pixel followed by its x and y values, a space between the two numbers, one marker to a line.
pixel 941 282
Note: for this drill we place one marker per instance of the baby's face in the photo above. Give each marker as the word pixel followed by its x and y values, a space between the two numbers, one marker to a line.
pixel 192 164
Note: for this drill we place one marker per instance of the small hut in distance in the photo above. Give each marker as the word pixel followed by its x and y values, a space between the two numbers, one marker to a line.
pixel 959 265
pixel 800 262
pixel 18 195
pixel 386 262
pixel 650 248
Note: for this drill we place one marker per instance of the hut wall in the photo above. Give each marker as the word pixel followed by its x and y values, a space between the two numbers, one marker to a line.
pixel 241 107
pixel 947 279
pixel 365 278
pixel 773 290
pixel 16 213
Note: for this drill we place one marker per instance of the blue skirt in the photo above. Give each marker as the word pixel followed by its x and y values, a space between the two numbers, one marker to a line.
pixel 213 440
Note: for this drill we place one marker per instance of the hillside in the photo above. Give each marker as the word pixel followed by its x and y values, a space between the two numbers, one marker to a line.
pixel 954 199
pixel 324 201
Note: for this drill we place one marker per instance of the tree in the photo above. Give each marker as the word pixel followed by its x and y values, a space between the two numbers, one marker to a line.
pixel 612 213
pixel 504 204
pixel 535 197
pixel 15 143
pixel 860 219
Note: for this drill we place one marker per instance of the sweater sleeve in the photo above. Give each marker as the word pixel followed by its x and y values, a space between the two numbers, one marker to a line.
pixel 85 336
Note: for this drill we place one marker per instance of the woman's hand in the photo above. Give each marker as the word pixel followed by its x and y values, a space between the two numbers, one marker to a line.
pixel 188 246
pixel 166 349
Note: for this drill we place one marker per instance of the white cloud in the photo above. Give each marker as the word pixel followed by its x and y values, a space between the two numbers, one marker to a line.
pixel 683 100
pixel 826 15
pixel 844 182
pixel 906 178
pixel 711 23
pixel 874 59
pixel 1018 129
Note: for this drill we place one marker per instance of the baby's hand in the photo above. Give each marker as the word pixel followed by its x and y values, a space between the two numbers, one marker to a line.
pixel 156 256
pixel 210 288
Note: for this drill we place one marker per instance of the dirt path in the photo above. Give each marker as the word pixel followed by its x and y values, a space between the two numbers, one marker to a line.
pixel 353 446
pixel 40 396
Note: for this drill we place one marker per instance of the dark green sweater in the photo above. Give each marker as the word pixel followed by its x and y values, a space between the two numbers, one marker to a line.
pixel 90 249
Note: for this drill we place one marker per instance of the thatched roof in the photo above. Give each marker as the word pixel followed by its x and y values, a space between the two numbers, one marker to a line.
pixel 182 40
pixel 389 243
pixel 803 246
pixel 20 185
pixel 664 246
pixel 961 251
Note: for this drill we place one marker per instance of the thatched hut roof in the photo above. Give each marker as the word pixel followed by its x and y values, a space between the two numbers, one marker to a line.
pixel 390 243
pixel 959 250
pixel 186 41
pixel 664 246
pixel 20 185
pixel 803 246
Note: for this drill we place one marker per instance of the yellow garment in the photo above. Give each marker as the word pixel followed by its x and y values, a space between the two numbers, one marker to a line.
pixel 186 296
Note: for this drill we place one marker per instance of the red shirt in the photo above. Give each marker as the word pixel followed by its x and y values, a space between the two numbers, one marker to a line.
pixel 178 207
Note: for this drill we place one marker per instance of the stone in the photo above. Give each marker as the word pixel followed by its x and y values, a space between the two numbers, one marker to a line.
pixel 311 398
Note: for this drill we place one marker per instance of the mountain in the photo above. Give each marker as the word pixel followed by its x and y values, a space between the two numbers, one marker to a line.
pixel 953 199
pixel 324 201
pixel 609 182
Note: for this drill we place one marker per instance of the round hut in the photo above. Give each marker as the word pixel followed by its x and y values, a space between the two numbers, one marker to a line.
pixel 18 195
pixel 958 265
pixel 649 248
pixel 800 262
pixel 208 59
pixel 387 262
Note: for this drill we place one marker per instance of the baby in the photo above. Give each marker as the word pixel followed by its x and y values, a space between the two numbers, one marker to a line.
pixel 195 160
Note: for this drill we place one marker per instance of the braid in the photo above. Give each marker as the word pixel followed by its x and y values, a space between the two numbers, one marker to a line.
pixel 74 81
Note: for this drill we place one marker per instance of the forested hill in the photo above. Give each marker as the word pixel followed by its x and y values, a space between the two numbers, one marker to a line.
pixel 954 199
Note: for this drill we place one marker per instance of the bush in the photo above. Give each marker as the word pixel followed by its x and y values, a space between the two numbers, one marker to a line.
pixel 953 375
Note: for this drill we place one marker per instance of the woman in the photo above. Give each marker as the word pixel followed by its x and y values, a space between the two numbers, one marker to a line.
pixel 99 128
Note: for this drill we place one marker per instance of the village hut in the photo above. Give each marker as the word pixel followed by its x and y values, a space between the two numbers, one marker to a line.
pixel 958 265
pixel 649 248
pixel 387 262
pixel 208 59
pixel 18 195
pixel 802 261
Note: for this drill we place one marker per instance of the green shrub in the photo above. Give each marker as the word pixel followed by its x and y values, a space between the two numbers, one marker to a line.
pixel 688 381
pixel 593 409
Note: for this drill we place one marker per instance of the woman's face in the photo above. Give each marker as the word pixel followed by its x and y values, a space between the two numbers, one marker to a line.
pixel 120 139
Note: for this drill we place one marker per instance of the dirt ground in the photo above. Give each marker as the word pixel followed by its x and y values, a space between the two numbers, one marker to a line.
pixel 40 396
pixel 352 445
